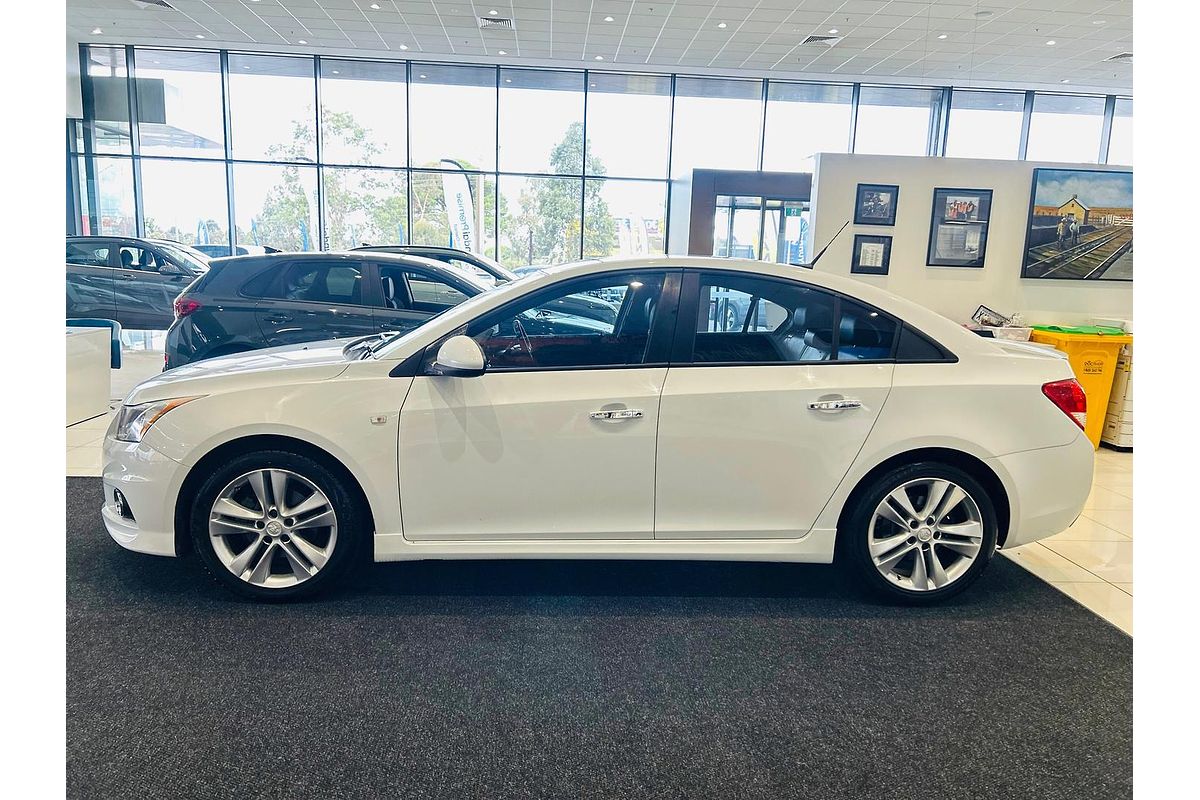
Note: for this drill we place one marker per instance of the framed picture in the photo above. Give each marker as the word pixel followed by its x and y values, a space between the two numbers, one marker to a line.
pixel 1080 225
pixel 872 255
pixel 958 227
pixel 875 204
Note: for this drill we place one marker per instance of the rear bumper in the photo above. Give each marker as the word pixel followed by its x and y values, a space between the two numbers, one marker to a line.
pixel 149 482
pixel 1047 488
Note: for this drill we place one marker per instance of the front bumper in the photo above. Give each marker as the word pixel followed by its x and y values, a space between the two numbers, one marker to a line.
pixel 1047 487
pixel 149 483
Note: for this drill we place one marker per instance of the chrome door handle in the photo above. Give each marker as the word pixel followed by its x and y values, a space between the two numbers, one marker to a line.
pixel 617 414
pixel 835 405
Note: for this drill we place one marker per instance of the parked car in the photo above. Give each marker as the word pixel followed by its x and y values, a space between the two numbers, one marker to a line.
pixel 845 421
pixel 222 250
pixel 493 274
pixel 133 281
pixel 250 302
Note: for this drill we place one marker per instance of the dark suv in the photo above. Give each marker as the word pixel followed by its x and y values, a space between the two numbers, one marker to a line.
pixel 130 280
pixel 249 302
pixel 491 274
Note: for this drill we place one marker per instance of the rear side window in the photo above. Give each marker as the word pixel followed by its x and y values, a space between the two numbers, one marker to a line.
pixel 88 255
pixel 864 334
pixel 743 319
pixel 914 346
pixel 318 282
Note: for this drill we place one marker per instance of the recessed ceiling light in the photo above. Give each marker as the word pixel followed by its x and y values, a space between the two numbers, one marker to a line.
pixel 493 13
pixel 508 80
pixel 608 19
pixel 1052 42
pixel 502 52
pixel 96 31
pixel 599 58
pixel 1065 80
pixel 245 66
pixel 983 14
pixel 199 35
pixel 336 72
pixel 833 30
pixel 403 47
pixel 722 25
pixel 1099 22
pixel 375 6
pixel 422 77
pixel 942 36
pixel 301 41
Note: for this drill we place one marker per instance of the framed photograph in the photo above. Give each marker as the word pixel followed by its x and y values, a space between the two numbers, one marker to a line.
pixel 958 227
pixel 1080 225
pixel 875 204
pixel 872 255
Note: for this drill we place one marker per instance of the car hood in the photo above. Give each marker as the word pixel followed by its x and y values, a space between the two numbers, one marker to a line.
pixel 300 363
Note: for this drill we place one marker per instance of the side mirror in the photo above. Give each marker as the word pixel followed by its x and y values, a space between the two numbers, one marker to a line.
pixel 459 357
pixel 169 269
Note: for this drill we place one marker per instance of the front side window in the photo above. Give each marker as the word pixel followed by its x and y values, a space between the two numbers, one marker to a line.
pixel 750 320
pixel 423 292
pixel 560 329
pixel 319 282
pixel 139 258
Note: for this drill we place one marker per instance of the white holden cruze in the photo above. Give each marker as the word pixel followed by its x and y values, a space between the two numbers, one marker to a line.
pixel 732 410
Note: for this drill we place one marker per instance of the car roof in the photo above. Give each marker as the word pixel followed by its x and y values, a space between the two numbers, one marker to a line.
pixel 428 264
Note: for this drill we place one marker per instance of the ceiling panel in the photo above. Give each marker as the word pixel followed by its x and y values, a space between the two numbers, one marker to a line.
pixel 958 42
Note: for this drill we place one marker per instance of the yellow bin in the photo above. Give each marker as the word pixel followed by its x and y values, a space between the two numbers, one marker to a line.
pixel 1094 359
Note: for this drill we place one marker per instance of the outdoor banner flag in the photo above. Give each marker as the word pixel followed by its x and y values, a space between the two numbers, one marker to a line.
pixel 460 210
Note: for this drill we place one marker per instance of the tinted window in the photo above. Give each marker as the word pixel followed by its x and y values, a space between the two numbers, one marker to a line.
pixel 551 329
pixel 864 334
pixel 320 282
pixel 915 347
pixel 138 258
pixel 95 255
pixel 749 320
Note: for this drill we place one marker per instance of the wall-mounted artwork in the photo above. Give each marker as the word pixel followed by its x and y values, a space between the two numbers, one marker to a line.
pixel 958 227
pixel 1080 225
pixel 872 255
pixel 875 204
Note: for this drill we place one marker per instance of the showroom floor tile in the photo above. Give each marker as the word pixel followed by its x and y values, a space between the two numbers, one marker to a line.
pixel 1092 561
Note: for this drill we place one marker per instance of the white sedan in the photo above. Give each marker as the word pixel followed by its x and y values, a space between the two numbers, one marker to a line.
pixel 734 410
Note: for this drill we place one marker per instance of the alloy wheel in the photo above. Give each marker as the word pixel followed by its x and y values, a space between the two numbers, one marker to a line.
pixel 272 528
pixel 925 534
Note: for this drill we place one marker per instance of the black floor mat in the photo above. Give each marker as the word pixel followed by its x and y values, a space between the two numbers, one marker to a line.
pixel 570 679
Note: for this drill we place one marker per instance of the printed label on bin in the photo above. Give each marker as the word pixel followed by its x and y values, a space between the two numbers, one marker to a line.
pixel 1093 366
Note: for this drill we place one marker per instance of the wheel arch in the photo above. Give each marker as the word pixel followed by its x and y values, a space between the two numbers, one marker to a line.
pixel 249 444
pixel 972 465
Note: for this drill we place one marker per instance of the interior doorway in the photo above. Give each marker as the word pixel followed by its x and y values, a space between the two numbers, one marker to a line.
pixel 762 228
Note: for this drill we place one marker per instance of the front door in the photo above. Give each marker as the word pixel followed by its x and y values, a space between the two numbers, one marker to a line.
pixel 761 420
pixel 314 299
pixel 556 440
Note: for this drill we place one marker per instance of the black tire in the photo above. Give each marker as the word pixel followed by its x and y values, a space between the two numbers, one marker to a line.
pixel 853 539
pixel 352 528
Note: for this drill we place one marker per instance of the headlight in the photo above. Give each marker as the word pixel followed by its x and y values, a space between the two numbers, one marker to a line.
pixel 134 421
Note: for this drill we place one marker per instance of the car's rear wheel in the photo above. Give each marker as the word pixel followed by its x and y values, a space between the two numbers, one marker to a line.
pixel 276 525
pixel 922 532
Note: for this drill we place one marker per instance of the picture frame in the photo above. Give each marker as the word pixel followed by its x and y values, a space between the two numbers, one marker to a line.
pixel 872 254
pixel 958 227
pixel 1098 246
pixel 875 204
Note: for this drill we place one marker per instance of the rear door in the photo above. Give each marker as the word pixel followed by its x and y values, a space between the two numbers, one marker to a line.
pixel 146 286
pixel 760 422
pixel 315 298
pixel 411 295
pixel 90 291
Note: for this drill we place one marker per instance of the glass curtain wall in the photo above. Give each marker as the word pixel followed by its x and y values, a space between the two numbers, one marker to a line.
pixel 530 166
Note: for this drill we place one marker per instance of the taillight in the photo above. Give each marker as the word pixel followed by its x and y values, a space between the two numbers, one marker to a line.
pixel 184 306
pixel 1069 396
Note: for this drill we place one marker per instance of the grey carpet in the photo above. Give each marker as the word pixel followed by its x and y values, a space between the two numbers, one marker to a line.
pixel 582 679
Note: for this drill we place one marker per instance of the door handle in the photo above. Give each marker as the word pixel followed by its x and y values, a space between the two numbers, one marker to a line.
pixel 840 404
pixel 278 318
pixel 617 414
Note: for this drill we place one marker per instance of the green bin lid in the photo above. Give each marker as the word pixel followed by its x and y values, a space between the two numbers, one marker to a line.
pixel 1091 330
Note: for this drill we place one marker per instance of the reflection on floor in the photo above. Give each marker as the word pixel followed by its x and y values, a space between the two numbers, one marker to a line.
pixel 1092 561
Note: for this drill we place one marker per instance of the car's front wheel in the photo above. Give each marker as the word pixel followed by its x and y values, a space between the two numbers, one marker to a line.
pixel 276 525
pixel 921 532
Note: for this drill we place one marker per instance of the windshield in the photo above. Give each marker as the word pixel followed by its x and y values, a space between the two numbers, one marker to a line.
pixel 193 259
